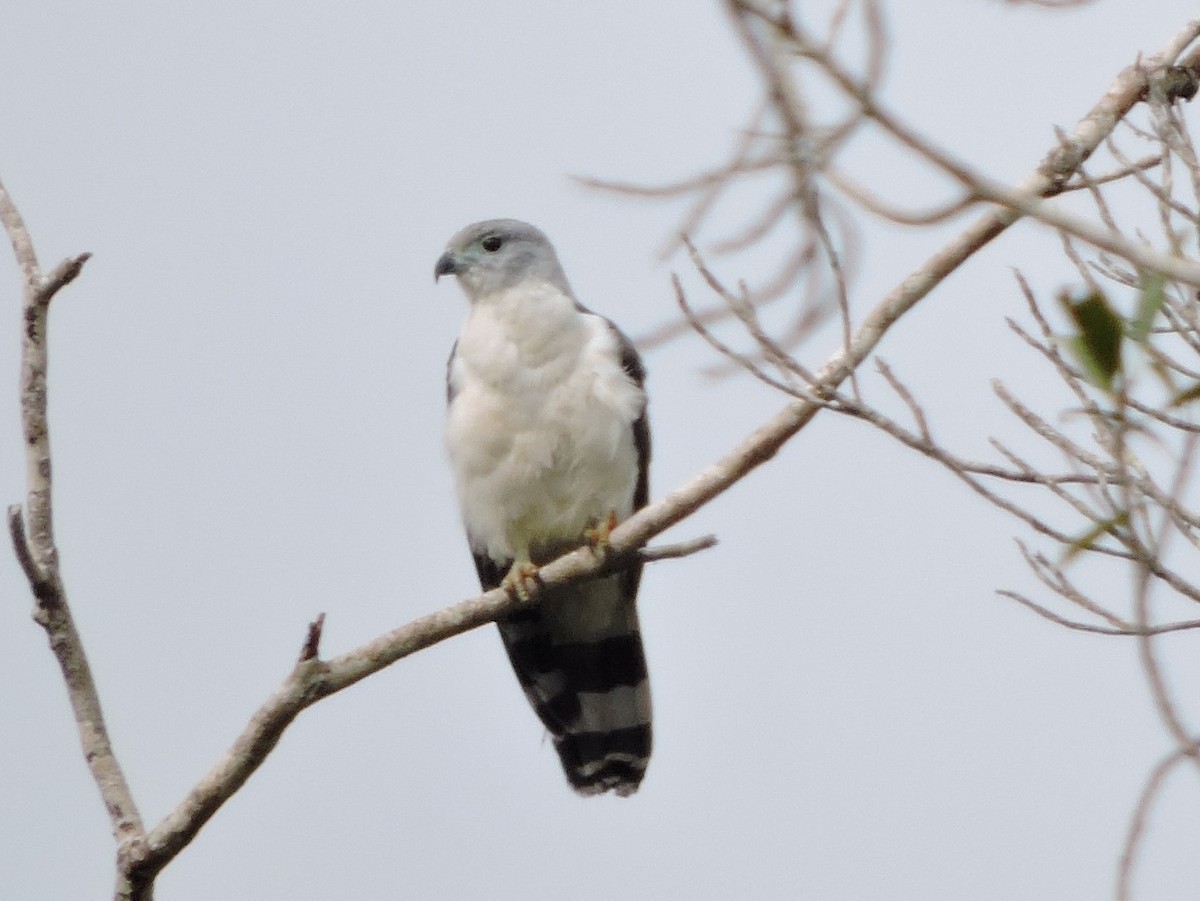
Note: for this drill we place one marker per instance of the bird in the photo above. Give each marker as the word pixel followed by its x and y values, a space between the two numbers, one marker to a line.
pixel 549 443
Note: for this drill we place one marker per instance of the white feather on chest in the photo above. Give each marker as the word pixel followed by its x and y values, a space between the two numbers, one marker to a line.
pixel 539 431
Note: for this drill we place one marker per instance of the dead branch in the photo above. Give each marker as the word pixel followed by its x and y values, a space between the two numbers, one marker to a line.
pixel 36 549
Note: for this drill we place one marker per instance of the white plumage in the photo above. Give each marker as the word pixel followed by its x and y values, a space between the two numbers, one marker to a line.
pixel 547 438
pixel 539 432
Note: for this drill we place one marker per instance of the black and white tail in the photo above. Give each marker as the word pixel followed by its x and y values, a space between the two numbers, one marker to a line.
pixel 578 655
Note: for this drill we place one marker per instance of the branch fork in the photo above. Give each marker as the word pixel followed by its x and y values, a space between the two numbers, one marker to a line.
pixel 142 854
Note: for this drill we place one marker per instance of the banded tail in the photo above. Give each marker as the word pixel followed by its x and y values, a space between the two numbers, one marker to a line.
pixel 579 658
pixel 585 677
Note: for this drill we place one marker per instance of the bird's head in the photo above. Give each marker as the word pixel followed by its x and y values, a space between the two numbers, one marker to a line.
pixel 499 254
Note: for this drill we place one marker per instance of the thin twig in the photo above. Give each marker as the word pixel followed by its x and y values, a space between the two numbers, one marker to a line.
pixel 679 549
pixel 1148 162
pixel 1028 198
pixel 1130 630
pixel 1141 813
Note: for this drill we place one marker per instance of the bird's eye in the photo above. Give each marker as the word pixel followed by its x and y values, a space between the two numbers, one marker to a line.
pixel 491 243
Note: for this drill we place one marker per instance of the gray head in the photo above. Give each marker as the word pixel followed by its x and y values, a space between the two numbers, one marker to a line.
pixel 499 254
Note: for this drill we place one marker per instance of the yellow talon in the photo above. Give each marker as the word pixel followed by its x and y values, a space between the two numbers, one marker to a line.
pixel 597 536
pixel 522 580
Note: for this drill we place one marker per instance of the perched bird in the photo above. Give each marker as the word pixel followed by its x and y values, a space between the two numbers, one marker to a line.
pixel 549 443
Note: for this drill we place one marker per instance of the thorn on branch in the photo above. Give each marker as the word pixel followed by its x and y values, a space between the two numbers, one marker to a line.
pixel 312 644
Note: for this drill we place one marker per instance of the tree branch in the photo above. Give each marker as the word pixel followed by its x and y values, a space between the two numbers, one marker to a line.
pixel 313 679
pixel 37 552
pixel 1141 813
pixel 1136 83
pixel 140 855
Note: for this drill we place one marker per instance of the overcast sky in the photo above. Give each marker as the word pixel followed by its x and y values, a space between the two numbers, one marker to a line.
pixel 247 402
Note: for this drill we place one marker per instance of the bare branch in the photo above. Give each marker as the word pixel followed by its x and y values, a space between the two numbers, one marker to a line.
pixel 1027 198
pixel 1141 813
pixel 64 273
pixel 313 679
pixel 742 306
pixel 909 401
pixel 680 549
pixel 741 360
pixel 1151 558
pixel 1126 631
pixel 36 550
pixel 757 229
pixel 1048 347
pixel 22 244
pixel 875 205
pixel 1130 168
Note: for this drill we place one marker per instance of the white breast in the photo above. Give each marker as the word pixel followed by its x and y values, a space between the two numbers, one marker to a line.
pixel 539 431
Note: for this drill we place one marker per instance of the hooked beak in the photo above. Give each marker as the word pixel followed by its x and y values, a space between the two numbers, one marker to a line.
pixel 447 264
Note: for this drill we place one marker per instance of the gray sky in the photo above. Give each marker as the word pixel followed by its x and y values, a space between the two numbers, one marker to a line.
pixel 247 392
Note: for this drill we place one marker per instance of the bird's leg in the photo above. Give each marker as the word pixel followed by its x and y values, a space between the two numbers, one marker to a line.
pixel 522 579
pixel 597 536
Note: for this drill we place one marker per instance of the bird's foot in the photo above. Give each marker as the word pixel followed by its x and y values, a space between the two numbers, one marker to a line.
pixel 597 536
pixel 522 580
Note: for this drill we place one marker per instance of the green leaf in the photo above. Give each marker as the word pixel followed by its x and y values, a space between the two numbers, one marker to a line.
pixel 1150 301
pixel 1098 343
pixel 1088 539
